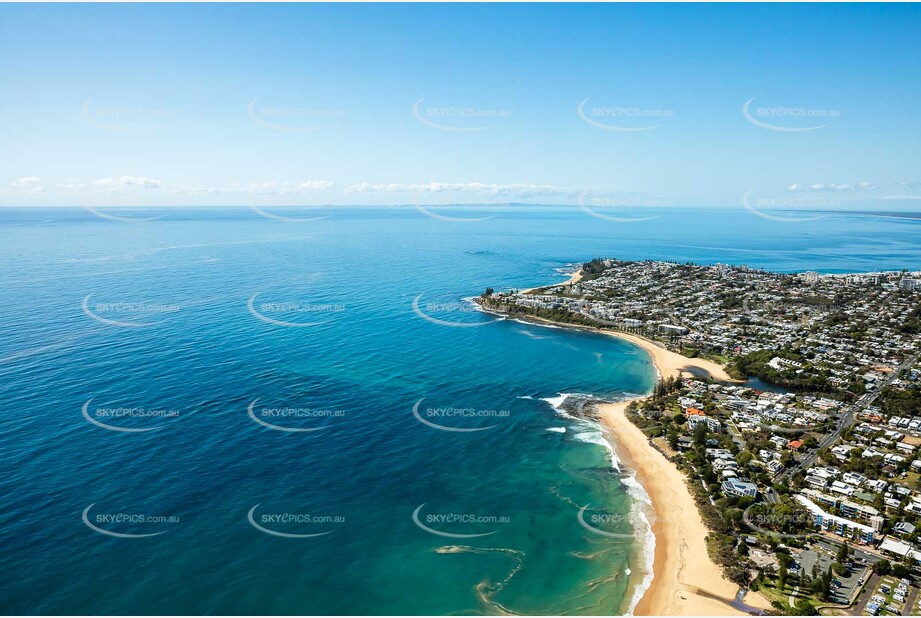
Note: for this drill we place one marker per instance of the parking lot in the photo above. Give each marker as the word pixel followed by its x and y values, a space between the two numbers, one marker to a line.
pixel 890 597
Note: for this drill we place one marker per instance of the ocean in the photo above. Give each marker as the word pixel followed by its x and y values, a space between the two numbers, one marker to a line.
pixel 225 411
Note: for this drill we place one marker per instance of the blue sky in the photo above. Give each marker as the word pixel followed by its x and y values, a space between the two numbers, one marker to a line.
pixel 384 104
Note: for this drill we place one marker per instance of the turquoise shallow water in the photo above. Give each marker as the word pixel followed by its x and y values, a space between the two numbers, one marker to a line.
pixel 222 298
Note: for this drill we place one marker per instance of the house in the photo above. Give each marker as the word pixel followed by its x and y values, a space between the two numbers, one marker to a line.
pixel 852 478
pixel 816 482
pixel 842 488
pixel 795 445
pixel 904 528
pixel 711 423
pixel 739 489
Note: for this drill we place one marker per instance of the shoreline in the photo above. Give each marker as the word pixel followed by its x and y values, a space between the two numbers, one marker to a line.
pixel 685 581
pixel 573 278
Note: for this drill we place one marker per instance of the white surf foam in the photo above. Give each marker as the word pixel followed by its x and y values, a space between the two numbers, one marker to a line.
pixel 592 432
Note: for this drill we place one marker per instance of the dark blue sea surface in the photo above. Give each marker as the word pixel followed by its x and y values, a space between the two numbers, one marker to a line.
pixel 152 372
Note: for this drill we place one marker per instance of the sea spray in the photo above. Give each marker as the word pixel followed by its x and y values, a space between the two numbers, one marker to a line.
pixel 572 407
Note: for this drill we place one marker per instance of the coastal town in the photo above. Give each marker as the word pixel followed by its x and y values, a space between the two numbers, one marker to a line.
pixel 804 459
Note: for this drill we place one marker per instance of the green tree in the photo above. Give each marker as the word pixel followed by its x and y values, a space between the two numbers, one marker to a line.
pixel 883 567
pixel 672 436
pixel 842 553
pixel 700 435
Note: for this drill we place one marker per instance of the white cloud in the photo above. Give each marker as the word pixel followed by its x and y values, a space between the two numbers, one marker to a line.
pixel 906 198
pixel 28 184
pixel 123 183
pixel 258 188
pixel 516 190
pixel 281 188
pixel 315 185
pixel 836 187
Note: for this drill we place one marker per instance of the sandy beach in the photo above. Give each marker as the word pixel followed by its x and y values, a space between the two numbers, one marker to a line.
pixel 670 364
pixel 685 582
pixel 573 278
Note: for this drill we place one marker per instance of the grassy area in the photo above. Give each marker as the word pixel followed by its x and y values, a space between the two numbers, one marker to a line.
pixel 769 589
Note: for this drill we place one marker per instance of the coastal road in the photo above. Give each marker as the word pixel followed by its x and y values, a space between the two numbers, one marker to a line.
pixel 848 418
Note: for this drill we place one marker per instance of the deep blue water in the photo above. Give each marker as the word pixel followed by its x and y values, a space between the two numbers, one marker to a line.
pixel 112 316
